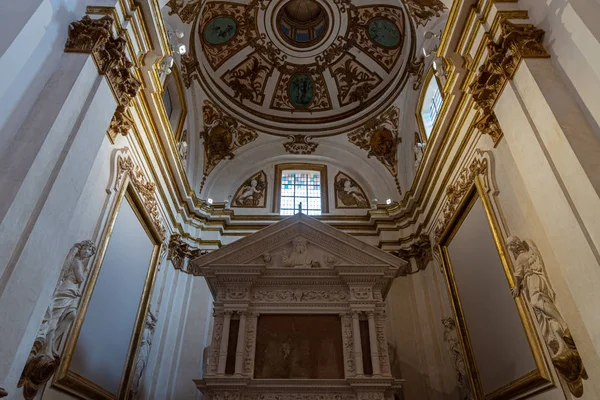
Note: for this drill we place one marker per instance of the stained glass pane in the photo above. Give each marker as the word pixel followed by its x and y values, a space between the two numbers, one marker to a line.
pixel 300 187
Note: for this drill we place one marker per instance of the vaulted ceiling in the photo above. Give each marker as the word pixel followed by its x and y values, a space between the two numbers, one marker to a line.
pixel 309 77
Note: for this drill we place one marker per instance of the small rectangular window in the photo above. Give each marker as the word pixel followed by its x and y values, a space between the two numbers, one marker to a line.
pixel 300 188
pixel 432 105
pixel 167 102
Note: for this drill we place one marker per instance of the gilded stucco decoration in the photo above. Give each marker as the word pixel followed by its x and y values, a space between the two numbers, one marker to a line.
pixel 145 188
pixel 380 137
pixel 300 144
pixel 422 11
pixel 94 36
pixel 179 251
pixel 517 41
pixel 348 193
pixel 531 280
pixel 420 250
pixel 45 357
pixel 456 192
pixel 354 57
pixel 252 193
pixel 222 135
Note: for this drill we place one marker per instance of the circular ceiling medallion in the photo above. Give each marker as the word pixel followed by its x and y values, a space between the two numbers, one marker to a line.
pixel 220 30
pixel 384 32
pixel 321 67
pixel 302 23
pixel 301 90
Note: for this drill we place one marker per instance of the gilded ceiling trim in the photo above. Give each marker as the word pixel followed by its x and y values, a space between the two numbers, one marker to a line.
pixel 354 81
pixel 249 78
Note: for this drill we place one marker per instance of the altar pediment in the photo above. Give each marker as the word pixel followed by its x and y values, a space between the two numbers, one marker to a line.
pixel 327 245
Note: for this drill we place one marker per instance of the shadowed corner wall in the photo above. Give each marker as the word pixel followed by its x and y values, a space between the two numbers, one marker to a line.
pixel 416 305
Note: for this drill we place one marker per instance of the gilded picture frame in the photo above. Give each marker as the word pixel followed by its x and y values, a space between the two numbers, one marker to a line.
pixel 540 378
pixel 68 380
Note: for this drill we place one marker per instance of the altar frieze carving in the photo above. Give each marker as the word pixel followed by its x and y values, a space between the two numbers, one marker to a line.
pixel 299 295
pixel 348 343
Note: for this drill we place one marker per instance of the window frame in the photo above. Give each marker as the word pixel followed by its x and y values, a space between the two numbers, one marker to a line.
pixel 420 104
pixel 178 102
pixel 322 169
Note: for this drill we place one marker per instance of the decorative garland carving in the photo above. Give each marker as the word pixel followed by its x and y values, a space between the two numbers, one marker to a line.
pixel 250 344
pixel 384 360
pixel 423 10
pixel 379 136
pixel 222 135
pixel 416 68
pixel 420 250
pixel 44 357
pixel 145 188
pixel 178 251
pixel 457 191
pixel 94 36
pixel 216 343
pixel 517 41
pixel 532 281
pixel 299 295
pixel 189 69
pixel 300 144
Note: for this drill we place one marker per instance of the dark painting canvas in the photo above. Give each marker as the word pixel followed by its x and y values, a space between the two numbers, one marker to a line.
pixel 299 347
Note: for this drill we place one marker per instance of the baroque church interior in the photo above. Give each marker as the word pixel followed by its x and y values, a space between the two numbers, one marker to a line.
pixel 300 199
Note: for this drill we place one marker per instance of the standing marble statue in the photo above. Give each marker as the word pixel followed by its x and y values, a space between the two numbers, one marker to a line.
pixel 300 257
pixel 141 360
pixel 44 357
pixel 454 347
pixel 532 280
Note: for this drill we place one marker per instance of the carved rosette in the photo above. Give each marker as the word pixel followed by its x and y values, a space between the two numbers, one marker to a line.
pixel 145 188
pixel 419 250
pixel 94 36
pixel 517 41
pixel 348 344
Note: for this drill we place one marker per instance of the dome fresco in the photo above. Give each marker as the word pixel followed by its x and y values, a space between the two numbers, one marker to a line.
pixel 321 66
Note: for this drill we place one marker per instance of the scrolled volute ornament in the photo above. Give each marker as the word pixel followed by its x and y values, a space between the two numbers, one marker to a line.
pixel 532 281
pixel 44 357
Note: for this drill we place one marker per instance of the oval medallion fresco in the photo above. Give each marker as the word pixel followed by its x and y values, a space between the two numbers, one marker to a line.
pixel 301 90
pixel 220 30
pixel 384 33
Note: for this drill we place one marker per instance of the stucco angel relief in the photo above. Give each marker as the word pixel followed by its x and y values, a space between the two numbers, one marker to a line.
pixel 348 193
pixel 252 193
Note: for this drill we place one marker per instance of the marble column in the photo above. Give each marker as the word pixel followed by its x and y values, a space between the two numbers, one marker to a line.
pixel 357 349
pixel 373 343
pixel 224 343
pixel 241 341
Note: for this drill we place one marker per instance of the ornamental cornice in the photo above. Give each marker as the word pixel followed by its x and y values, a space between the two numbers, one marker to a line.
pixel 420 250
pixel 516 42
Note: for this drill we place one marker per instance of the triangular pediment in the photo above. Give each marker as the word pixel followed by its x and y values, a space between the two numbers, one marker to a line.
pixel 325 245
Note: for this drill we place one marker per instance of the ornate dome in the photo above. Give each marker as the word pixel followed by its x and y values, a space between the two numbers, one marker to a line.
pixel 302 22
pixel 319 67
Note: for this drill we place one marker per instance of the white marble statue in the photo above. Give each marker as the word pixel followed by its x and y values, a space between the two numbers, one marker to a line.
pixel 452 342
pixel 532 280
pixel 141 360
pixel 44 356
pixel 300 257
